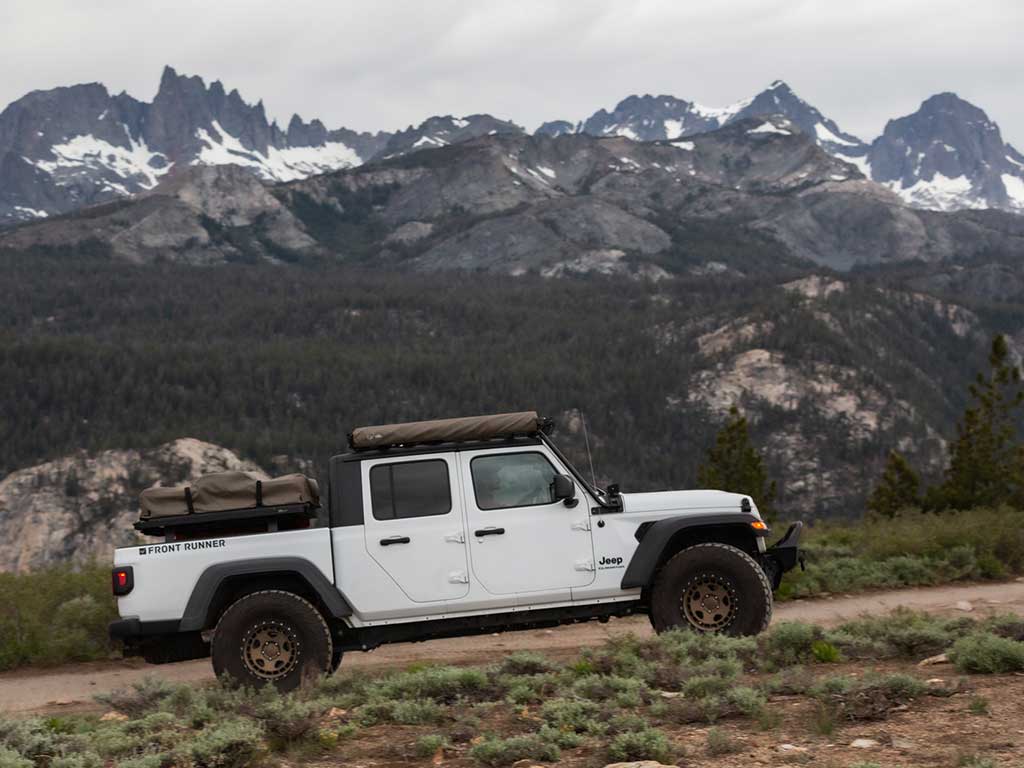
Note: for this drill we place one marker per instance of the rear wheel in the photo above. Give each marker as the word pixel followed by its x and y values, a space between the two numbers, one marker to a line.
pixel 712 587
pixel 274 638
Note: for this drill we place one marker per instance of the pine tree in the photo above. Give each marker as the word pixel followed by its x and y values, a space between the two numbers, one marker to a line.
pixel 733 464
pixel 985 461
pixel 898 489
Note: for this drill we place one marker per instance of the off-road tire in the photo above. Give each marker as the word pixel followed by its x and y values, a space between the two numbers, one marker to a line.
pixel 737 586
pixel 336 658
pixel 272 637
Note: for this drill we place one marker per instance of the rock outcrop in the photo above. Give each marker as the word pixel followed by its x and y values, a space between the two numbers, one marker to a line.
pixel 80 508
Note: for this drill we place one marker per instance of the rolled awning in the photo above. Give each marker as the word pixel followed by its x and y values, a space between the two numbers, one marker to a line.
pixel 447 430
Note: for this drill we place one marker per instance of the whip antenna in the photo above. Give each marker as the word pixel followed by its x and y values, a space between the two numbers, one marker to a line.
pixel 586 440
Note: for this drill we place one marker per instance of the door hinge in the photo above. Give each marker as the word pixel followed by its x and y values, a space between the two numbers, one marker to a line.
pixel 456 538
pixel 585 565
pixel 582 525
pixel 458 577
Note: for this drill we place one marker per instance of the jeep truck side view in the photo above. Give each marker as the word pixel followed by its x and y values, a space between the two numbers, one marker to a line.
pixel 430 529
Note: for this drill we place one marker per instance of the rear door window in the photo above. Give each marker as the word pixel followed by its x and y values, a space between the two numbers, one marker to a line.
pixel 410 489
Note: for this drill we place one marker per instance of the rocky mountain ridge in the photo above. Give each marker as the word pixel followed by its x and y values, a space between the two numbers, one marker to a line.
pixel 758 191
pixel 77 146
pixel 948 155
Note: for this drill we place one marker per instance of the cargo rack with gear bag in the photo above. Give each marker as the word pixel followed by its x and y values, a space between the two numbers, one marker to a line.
pixel 229 503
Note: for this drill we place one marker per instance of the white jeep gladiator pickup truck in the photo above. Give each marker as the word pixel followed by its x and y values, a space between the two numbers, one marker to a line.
pixel 431 529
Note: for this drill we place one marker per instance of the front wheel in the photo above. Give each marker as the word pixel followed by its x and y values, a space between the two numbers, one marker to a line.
pixel 711 587
pixel 274 638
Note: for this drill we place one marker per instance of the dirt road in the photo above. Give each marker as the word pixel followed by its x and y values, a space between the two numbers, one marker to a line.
pixel 71 688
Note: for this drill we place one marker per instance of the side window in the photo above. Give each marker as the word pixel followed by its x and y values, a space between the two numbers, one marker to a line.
pixel 505 480
pixel 410 489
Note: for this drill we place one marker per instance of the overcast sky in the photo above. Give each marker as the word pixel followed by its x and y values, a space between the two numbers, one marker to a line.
pixel 384 64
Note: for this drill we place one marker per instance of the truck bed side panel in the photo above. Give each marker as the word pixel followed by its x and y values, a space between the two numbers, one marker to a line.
pixel 166 573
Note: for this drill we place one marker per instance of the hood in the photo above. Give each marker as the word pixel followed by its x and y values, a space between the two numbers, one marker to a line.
pixel 685 501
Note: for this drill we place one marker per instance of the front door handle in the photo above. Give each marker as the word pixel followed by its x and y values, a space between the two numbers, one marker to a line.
pixel 489 532
pixel 395 540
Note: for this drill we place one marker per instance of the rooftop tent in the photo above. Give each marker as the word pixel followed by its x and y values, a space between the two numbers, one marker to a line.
pixel 223 491
pixel 448 430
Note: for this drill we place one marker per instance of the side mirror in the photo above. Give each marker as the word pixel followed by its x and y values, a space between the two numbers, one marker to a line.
pixel 565 490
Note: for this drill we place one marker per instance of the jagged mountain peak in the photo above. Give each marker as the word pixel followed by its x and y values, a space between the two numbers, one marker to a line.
pixel 948 154
pixel 442 130
pixel 74 146
pixel 664 117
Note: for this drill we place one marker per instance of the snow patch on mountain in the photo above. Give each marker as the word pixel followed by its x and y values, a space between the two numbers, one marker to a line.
pixel 30 213
pixel 1014 189
pixel 723 114
pixel 939 193
pixel 288 164
pixel 673 129
pixel 770 128
pixel 825 135
pixel 862 163
pixel 136 163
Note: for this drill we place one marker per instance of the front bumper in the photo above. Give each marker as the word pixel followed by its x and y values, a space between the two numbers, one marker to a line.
pixel 784 555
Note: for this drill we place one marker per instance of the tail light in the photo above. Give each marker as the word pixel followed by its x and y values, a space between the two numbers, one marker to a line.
pixel 122 580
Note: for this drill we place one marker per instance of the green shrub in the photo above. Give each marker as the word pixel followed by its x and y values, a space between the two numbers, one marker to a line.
pixel 722 743
pixel 647 744
pixel 1008 625
pixel 527 689
pixel 622 691
pixel 81 760
pixel 824 720
pixel 909 550
pixel 11 759
pixel 411 712
pixel 443 685
pixel 576 715
pixel 978 705
pixel 975 761
pixel 144 696
pixel 988 654
pixel 900 634
pixel 495 751
pixel 788 644
pixel 871 697
pixel 233 742
pixel 285 719
pixel 428 746
pixel 561 739
pixel 525 663
pixel 55 615
pixel 747 701
pixel 825 652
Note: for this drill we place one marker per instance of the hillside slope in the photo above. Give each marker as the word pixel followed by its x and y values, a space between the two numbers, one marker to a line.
pixel 834 372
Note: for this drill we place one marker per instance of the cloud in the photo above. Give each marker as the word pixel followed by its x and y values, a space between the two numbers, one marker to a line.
pixel 390 63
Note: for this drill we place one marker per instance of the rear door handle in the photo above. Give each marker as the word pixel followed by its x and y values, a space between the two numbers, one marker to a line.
pixel 395 540
pixel 489 532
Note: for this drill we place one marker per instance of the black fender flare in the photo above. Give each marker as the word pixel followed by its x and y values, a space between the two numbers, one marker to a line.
pixel 214 576
pixel 654 537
